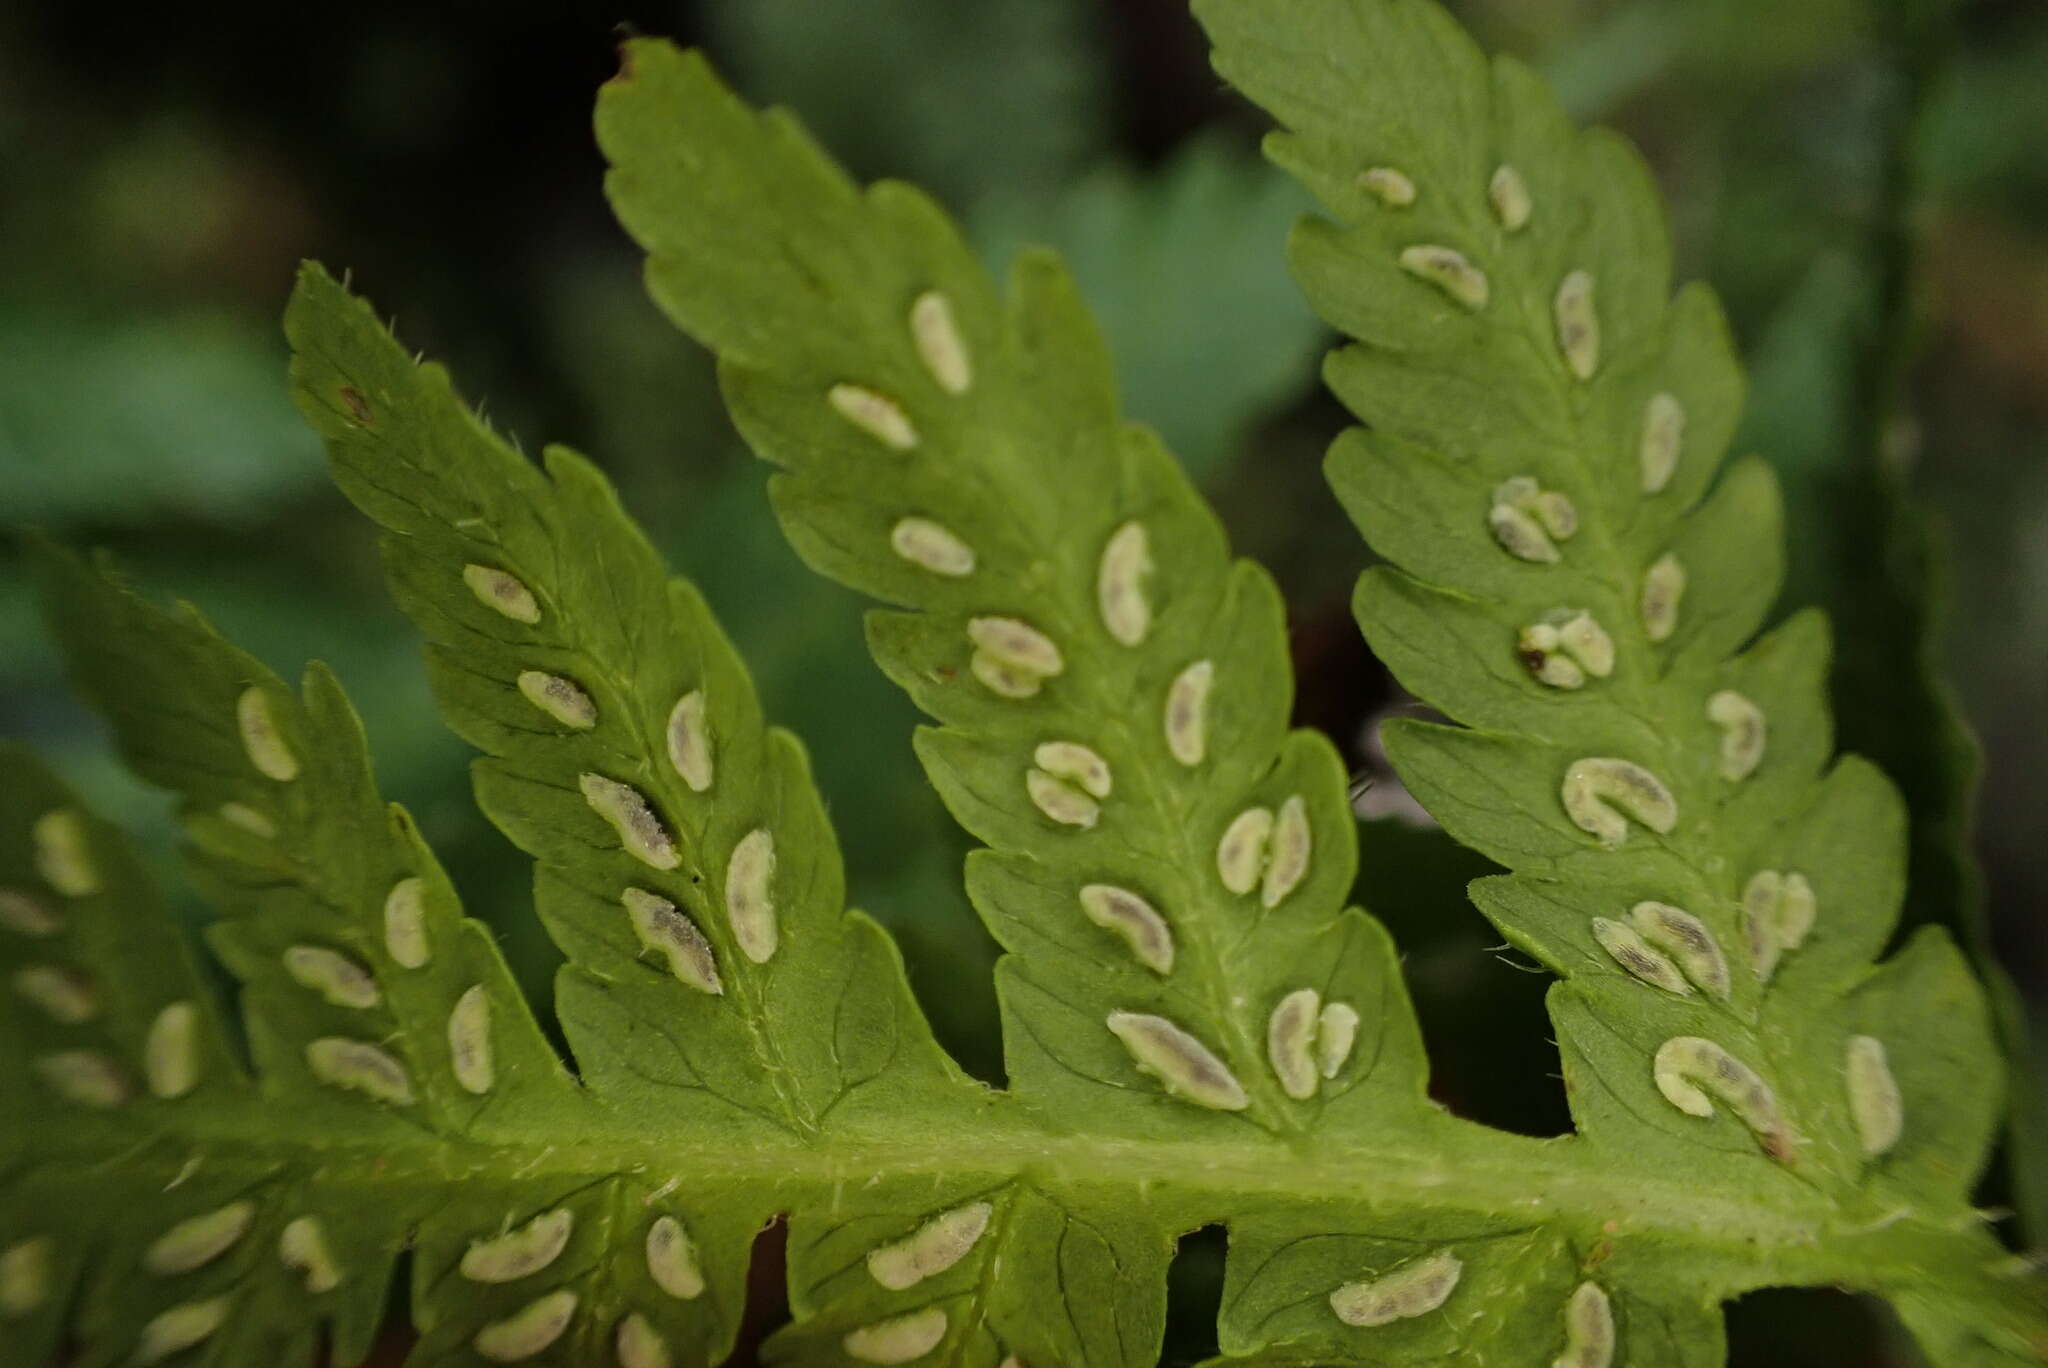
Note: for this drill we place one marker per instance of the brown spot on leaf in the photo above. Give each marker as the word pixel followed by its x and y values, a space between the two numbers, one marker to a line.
pixel 357 405
pixel 1781 1145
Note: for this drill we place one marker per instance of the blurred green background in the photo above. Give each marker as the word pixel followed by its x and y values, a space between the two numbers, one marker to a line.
pixel 1865 181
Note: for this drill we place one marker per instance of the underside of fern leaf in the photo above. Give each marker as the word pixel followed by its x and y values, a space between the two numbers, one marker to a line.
pixel 1197 1030
pixel 1544 429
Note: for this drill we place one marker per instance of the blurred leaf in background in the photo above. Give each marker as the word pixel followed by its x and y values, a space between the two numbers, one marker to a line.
pixel 1182 265
pixel 118 422
pixel 956 97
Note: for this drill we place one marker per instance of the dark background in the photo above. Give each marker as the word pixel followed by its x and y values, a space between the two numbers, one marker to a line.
pixel 1866 182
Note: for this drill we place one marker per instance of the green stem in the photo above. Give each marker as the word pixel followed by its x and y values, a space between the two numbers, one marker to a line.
pixel 1737 1238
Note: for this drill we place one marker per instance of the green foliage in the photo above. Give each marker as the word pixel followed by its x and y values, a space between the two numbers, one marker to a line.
pixel 1011 92
pixel 1151 823
pixel 1602 394
pixel 195 428
pixel 1197 1029
pixel 1132 241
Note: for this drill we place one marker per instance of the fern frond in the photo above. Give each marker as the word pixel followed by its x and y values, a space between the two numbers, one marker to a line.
pixel 1545 423
pixel 1198 1031
pixel 1167 864
pixel 113 1050
pixel 686 865
pixel 337 920
pixel 243 1216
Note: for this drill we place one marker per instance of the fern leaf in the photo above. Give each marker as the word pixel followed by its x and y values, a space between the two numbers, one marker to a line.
pixel 1167 864
pixel 337 920
pixel 383 1026
pixel 156 1201
pixel 686 866
pixel 1545 422
pixel 109 1035
pixel 373 1010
